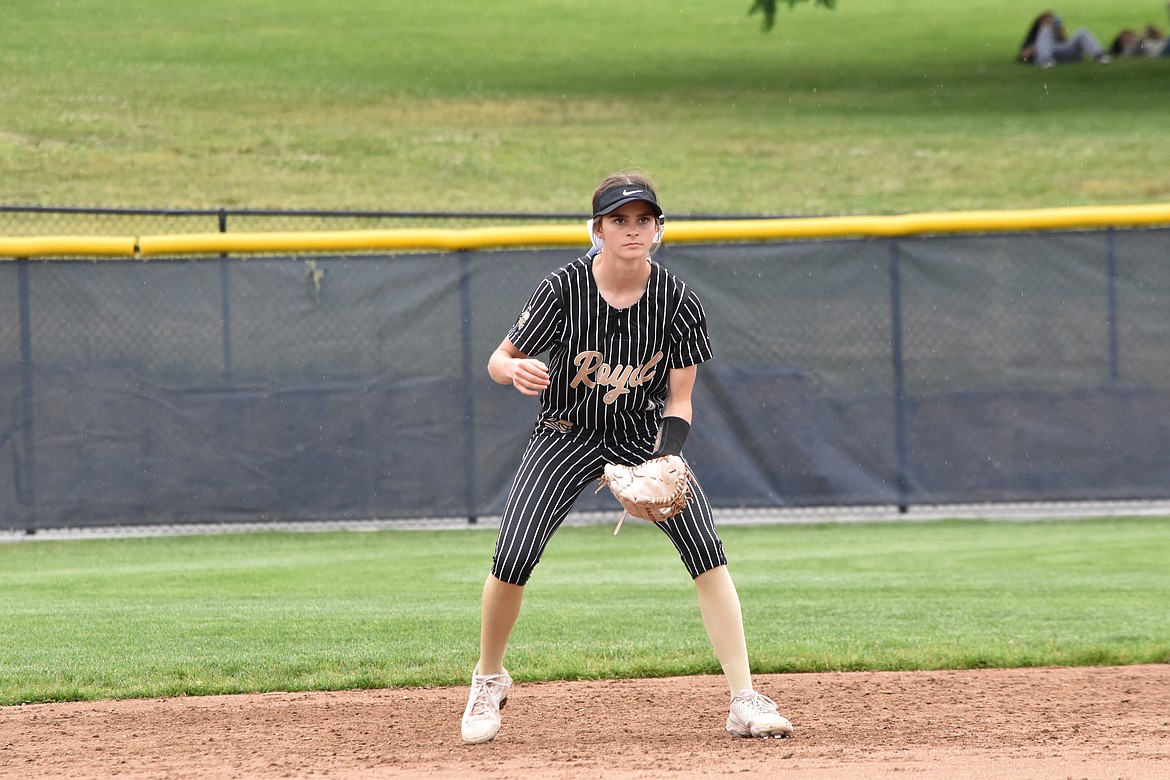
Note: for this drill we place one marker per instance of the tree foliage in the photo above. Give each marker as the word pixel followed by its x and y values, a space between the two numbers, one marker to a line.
pixel 768 8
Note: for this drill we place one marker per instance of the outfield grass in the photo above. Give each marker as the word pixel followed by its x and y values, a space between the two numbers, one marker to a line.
pixel 284 611
pixel 522 106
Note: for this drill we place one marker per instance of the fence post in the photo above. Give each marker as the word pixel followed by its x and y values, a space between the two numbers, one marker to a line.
pixel 225 305
pixel 468 382
pixel 26 481
pixel 1111 270
pixel 898 375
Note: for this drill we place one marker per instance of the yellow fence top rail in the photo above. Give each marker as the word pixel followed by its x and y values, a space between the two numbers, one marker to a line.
pixel 86 246
pixel 455 239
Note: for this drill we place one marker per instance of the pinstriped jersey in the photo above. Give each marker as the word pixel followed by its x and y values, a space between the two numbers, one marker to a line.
pixel 608 367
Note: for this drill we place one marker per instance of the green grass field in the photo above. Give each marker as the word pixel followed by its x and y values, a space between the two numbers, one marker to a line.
pixel 285 611
pixel 522 106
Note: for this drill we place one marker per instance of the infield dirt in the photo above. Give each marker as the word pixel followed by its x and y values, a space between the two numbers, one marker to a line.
pixel 1085 722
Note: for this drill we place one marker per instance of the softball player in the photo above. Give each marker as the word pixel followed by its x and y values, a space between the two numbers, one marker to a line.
pixel 624 338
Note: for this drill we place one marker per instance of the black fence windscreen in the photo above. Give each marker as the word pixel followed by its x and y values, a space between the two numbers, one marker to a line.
pixel 1021 367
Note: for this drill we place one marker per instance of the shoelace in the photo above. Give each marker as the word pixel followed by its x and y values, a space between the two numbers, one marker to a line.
pixel 480 704
pixel 758 704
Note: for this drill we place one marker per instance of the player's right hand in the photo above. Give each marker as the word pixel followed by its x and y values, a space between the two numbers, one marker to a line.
pixel 529 375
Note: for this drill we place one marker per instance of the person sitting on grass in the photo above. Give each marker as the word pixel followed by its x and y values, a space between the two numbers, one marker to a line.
pixel 1149 43
pixel 1048 43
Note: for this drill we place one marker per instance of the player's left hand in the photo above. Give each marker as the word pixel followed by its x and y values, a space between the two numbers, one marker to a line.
pixel 656 490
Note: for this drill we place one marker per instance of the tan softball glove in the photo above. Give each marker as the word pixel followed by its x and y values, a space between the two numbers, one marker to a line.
pixel 656 490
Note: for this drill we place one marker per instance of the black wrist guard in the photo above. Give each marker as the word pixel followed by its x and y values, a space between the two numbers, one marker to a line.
pixel 671 435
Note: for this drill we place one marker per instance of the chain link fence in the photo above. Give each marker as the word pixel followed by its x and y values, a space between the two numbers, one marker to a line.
pixel 304 388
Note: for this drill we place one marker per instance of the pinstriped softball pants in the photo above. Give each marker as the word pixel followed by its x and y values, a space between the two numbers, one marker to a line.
pixel 554 470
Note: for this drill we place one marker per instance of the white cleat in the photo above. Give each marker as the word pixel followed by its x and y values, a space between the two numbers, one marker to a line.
pixel 755 715
pixel 481 718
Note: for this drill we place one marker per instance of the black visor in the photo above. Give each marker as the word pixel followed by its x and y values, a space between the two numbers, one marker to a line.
pixel 620 195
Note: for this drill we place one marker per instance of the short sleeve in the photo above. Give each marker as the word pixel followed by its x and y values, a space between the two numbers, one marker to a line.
pixel 690 343
pixel 540 322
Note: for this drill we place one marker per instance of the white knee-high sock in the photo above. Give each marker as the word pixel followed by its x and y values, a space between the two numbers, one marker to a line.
pixel 719 604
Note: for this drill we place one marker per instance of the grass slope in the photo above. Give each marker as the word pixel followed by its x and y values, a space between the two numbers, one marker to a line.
pixel 523 105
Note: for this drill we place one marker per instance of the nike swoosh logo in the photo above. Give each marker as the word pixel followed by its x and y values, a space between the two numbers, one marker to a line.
pixel 630 192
